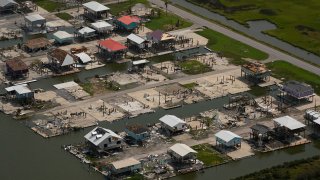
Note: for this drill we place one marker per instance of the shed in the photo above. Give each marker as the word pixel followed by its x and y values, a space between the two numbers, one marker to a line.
pixel 94 10
pixel 181 152
pixel 84 58
pixel 128 22
pixel 125 165
pixel 102 27
pixel 62 37
pixel 137 132
pixel 227 138
pixel 16 68
pixel 173 123
pixel 111 49
pixel 35 22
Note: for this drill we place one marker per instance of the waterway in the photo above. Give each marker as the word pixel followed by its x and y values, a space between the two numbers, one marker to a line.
pixel 254 30
pixel 26 155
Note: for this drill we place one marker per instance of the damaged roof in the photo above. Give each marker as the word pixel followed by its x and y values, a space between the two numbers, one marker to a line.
pixel 17 64
pixel 63 57
pixel 256 67
pixel 37 43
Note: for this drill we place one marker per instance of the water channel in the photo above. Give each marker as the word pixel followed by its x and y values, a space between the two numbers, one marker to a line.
pixel 254 30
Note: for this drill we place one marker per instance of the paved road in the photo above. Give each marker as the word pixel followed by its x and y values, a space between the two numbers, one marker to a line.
pixel 273 53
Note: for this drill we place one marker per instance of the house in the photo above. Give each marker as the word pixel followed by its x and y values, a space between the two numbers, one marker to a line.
pixel 161 39
pixel 136 42
pixel 35 23
pixel 62 37
pixel 181 152
pixel 255 72
pixel 287 127
pixel 83 58
pixel 85 33
pixel 127 23
pixel 102 27
pixel 111 49
pixel 8 6
pixel 298 90
pixel 137 132
pixel 260 132
pixel 33 45
pixel 20 93
pixel 173 123
pixel 95 11
pixel 227 139
pixel 60 60
pixel 103 139
pixel 125 166
pixel 16 68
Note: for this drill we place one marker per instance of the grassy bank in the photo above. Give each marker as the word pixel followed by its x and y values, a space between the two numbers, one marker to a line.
pixel 304 34
pixel 194 67
pixel 231 48
pixel 64 16
pixel 208 155
pixel 282 69
pixel 300 169
pixel 117 8
pixel 50 6
pixel 167 21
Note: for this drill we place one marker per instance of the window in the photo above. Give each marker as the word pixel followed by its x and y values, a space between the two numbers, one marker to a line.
pixel 105 145
pixel 118 142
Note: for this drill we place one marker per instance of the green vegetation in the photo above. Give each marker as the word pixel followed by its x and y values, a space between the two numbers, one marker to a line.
pixel 300 169
pixel 282 69
pixel 167 22
pixel 258 91
pixel 194 67
pixel 231 48
pixel 136 176
pixel 190 85
pixel 117 8
pixel 88 87
pixel 50 6
pixel 300 29
pixel 209 156
pixel 162 58
pixel 65 16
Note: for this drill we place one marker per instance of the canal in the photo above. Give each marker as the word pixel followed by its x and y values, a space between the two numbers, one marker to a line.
pixel 254 30
pixel 26 155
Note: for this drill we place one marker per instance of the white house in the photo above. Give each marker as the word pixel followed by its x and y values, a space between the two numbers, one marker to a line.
pixel 103 139
pixel 125 165
pixel 181 152
pixel 173 123
pixel 102 27
pixel 136 41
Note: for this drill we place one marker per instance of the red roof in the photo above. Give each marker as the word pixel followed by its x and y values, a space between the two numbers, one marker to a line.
pixel 129 19
pixel 112 45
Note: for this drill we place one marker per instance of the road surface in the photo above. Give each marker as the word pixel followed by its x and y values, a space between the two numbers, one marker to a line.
pixel 274 54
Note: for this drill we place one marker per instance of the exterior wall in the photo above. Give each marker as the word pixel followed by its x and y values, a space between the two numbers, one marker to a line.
pixel 232 142
pixel 127 169
pixel 128 27
pixel 110 145
pixel 178 127
pixel 137 137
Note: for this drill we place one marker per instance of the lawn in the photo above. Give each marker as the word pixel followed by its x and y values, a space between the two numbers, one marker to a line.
pixel 190 85
pixel 209 156
pixel 300 169
pixel 300 29
pixel 50 6
pixel 282 69
pixel 117 8
pixel 167 21
pixel 65 16
pixel 162 58
pixel 194 67
pixel 231 48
